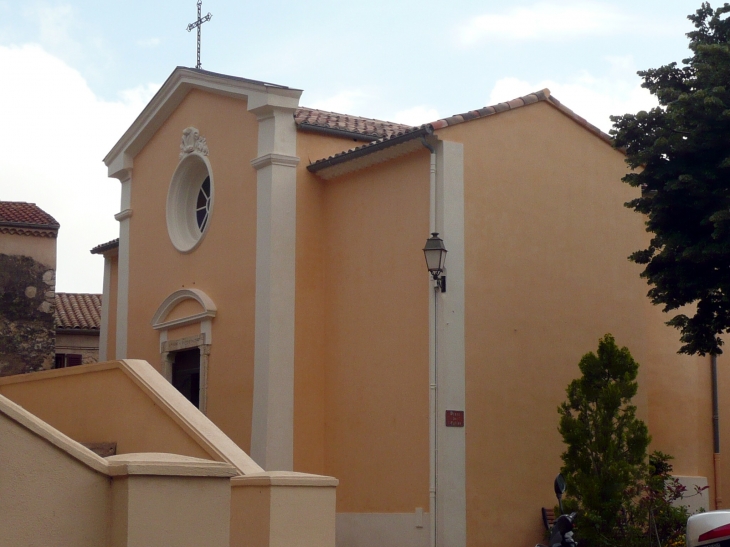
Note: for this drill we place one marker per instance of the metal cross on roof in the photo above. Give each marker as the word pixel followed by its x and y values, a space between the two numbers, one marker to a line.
pixel 197 24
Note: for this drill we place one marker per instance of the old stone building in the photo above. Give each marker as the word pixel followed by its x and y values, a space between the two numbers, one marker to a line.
pixel 27 284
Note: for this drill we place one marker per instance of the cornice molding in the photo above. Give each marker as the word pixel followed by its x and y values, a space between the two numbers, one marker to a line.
pixel 123 215
pixel 171 94
pixel 209 309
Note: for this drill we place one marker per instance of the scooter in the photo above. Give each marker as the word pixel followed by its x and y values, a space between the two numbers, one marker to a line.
pixel 561 532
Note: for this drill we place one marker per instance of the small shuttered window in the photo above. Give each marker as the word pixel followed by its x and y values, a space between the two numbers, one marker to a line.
pixel 64 360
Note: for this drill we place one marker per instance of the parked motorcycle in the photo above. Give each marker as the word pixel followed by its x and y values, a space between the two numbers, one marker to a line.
pixel 561 532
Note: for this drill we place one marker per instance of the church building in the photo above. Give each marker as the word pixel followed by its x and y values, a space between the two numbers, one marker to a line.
pixel 270 266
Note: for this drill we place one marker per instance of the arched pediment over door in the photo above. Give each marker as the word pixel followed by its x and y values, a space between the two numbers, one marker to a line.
pixel 182 308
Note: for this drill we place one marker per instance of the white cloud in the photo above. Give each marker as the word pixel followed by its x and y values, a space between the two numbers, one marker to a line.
pixel 138 97
pixel 558 20
pixel 593 98
pixel 148 42
pixel 417 115
pixel 54 27
pixel 55 133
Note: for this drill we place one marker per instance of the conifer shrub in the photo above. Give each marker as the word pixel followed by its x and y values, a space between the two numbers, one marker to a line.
pixel 622 495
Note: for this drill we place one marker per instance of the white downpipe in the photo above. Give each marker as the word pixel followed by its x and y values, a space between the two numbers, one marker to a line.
pixel 432 373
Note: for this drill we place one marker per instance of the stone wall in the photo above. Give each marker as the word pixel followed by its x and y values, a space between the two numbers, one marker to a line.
pixel 27 335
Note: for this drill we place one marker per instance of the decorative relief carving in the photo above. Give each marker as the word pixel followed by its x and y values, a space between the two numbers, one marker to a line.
pixel 192 142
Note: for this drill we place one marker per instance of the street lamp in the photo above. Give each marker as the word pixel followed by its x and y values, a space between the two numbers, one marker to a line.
pixel 435 253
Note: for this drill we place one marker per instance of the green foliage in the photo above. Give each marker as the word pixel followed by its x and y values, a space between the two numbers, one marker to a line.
pixel 617 491
pixel 681 151
pixel 606 442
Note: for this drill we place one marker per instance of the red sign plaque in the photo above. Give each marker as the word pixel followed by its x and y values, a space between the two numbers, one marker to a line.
pixel 454 418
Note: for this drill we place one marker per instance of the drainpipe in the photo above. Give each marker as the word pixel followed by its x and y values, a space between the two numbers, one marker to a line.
pixel 432 369
pixel 716 434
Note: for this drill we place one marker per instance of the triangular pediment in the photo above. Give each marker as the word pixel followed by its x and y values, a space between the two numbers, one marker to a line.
pixel 183 80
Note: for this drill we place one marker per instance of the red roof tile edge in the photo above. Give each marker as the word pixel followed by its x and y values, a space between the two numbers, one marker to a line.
pixel 104 247
pixel 532 98
pixel 345 125
pixel 35 232
pixel 22 214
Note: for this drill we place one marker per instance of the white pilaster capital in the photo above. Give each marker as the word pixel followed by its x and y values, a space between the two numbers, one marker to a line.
pixel 121 168
pixel 266 104
pixel 274 159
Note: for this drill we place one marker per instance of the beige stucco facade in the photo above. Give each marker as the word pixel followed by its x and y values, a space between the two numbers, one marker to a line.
pixel 324 348
pixel 54 491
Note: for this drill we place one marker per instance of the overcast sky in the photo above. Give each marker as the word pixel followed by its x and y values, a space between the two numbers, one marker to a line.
pixel 75 74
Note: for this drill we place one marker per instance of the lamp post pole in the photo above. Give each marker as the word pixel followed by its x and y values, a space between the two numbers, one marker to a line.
pixel 435 254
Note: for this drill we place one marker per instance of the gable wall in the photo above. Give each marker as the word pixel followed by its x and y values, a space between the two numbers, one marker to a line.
pixel 547 238
pixel 223 265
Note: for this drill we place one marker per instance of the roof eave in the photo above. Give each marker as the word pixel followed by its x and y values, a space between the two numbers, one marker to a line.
pixel 105 248
pixel 78 330
pixel 336 132
pixel 170 95
pixel 326 168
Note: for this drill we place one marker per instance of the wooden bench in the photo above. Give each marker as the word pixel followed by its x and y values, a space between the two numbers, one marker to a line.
pixel 548 518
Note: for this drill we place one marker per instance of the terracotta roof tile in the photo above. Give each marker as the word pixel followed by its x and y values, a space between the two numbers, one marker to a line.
pixel 20 213
pixel 371 129
pixel 78 311
pixel 542 95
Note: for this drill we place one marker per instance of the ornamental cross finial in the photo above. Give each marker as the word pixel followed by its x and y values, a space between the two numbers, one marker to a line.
pixel 197 24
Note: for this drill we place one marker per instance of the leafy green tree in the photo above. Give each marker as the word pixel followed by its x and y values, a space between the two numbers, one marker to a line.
pixel 681 155
pixel 623 497
pixel 606 443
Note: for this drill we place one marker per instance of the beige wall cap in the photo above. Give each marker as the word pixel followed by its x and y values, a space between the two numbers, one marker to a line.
pixel 283 478
pixel 40 428
pixel 151 463
pixel 208 436
pixel 155 463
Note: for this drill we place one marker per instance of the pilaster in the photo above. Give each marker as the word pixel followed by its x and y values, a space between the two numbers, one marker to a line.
pixel 105 311
pixel 450 349
pixel 124 217
pixel 272 432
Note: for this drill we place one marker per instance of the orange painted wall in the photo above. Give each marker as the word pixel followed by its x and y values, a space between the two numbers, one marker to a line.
pixel 376 332
pixel 547 238
pixel 309 354
pixel 680 407
pixel 224 263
